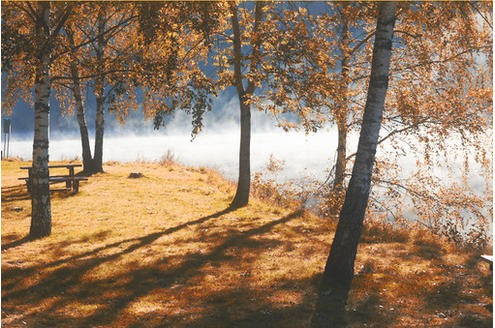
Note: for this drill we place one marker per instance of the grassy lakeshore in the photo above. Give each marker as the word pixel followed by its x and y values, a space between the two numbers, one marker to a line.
pixel 163 250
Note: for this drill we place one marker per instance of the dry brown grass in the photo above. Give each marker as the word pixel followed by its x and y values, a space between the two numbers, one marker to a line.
pixel 163 251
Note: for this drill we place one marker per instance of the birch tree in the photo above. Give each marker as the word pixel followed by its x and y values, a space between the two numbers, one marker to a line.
pixel 257 48
pixel 440 87
pixel 31 31
pixel 346 29
pixel 440 104
pixel 339 269
pixel 260 51
pixel 97 45
pixel 77 91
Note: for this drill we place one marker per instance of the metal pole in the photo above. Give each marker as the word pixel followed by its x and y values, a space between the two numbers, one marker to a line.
pixel 4 144
pixel 8 144
pixel 7 127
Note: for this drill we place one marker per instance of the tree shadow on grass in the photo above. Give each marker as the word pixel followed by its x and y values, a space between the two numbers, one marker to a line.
pixel 383 233
pixel 16 243
pixel 19 192
pixel 115 294
pixel 15 193
pixel 332 311
pixel 139 242
pixel 95 261
pixel 235 308
pixel 329 311
pixel 428 249
pixel 449 295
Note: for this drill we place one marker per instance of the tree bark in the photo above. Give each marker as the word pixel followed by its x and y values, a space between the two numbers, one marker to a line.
pixel 81 120
pixel 241 197
pixel 338 188
pixel 40 190
pixel 339 269
pixel 342 107
pixel 341 118
pixel 341 162
pixel 97 165
pixel 244 182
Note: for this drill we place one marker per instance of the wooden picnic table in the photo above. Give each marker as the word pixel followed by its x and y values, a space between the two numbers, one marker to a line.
pixel 71 181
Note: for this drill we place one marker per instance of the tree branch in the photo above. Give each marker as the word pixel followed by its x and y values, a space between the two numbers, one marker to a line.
pixel 414 36
pixel 357 46
pixel 407 189
pixel 31 14
pixel 383 206
pixel 237 51
pixel 255 45
pixel 63 19
pixel 91 40
pixel 482 16
pixel 67 86
pixel 92 76
pixel 414 125
pixel 441 61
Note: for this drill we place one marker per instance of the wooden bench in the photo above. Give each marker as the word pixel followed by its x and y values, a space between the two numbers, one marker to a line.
pixel 489 259
pixel 71 181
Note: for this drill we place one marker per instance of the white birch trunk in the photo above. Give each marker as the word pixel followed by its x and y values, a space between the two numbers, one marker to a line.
pixel 41 209
pixel 339 269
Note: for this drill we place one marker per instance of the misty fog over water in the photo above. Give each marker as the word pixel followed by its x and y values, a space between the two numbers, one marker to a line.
pixel 306 156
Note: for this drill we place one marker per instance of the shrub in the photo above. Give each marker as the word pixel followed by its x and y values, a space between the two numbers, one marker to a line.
pixel 168 158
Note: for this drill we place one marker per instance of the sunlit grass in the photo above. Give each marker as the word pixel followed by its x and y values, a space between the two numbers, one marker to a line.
pixel 163 251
